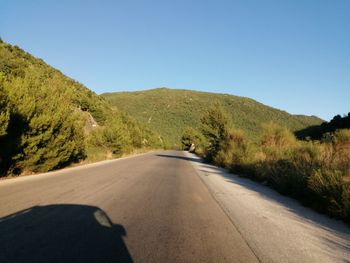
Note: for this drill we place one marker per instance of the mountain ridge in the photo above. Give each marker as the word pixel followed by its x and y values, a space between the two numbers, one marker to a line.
pixel 165 109
pixel 103 94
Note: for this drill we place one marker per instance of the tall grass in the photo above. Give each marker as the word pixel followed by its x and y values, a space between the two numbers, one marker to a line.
pixel 315 172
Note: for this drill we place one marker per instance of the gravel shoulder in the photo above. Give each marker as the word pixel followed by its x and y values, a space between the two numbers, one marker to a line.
pixel 277 228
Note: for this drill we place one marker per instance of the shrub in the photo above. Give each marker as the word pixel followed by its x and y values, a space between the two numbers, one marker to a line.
pixel 191 137
pixel 5 118
pixel 330 192
pixel 5 111
pixel 236 153
pixel 341 151
pixel 277 141
pixel 48 132
pixel 215 129
pixel 313 172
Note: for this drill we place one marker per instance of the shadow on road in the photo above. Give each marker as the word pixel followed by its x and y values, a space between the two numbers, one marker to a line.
pixel 62 233
pixel 338 230
pixel 180 158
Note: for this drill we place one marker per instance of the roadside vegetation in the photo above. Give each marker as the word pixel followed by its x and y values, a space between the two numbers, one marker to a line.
pixel 315 172
pixel 48 121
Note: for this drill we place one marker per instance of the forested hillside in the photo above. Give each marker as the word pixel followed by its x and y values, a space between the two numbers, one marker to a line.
pixel 171 111
pixel 48 120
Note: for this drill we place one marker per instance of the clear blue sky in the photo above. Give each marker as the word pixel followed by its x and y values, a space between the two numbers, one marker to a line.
pixel 293 55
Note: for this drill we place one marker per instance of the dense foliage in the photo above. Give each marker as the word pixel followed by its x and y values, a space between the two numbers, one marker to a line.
pixel 191 139
pixel 215 128
pixel 170 111
pixel 317 132
pixel 315 172
pixel 48 121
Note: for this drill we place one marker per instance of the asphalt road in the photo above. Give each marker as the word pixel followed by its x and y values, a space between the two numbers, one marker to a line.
pixel 149 208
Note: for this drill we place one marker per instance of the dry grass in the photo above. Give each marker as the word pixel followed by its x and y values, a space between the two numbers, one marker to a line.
pixel 317 173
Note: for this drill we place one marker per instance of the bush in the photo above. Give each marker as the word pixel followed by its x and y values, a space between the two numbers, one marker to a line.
pixel 5 118
pixel 5 111
pixel 313 172
pixel 236 153
pixel 114 137
pixel 330 193
pixel 191 138
pixel 48 133
pixel 341 151
pixel 277 141
pixel 215 129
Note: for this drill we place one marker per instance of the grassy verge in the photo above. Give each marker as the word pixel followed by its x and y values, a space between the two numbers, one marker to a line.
pixel 315 172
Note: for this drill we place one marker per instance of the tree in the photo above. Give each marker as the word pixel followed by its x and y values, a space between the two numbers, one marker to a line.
pixel 5 111
pixel 117 137
pixel 215 128
pixel 49 133
pixel 191 137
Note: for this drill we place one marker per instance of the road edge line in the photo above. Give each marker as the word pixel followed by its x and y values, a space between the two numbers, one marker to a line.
pixel 67 169
pixel 223 208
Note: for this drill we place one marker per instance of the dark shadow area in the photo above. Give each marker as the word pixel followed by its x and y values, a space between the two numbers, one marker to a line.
pixel 317 132
pixel 180 158
pixel 62 233
pixel 13 149
pixel 11 142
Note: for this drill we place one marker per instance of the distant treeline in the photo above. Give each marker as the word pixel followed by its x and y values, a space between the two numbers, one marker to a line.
pixel 317 132
pixel 315 172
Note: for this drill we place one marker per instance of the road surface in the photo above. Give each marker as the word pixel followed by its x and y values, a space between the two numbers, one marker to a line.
pixel 149 208
pixel 162 206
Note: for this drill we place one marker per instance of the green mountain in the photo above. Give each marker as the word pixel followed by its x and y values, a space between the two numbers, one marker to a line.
pixel 170 111
pixel 48 120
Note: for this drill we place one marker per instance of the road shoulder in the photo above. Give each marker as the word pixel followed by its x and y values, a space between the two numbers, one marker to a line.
pixel 277 228
pixel 65 170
